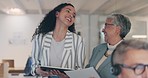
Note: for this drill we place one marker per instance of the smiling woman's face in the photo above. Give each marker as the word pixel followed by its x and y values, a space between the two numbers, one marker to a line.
pixel 67 15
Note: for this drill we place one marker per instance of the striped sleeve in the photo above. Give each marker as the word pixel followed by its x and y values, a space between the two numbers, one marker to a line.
pixel 81 53
pixel 80 49
pixel 36 49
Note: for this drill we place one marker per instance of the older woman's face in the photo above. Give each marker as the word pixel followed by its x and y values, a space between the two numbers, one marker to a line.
pixel 66 15
pixel 132 58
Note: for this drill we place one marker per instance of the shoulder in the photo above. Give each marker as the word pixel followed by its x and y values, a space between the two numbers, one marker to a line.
pixel 75 36
pixel 38 36
pixel 103 45
pixel 78 36
pixel 100 48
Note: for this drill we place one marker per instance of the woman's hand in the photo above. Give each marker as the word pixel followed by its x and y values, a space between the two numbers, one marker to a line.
pixel 43 73
pixel 52 72
pixel 58 73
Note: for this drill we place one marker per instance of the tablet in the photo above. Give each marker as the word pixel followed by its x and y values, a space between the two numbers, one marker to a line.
pixel 49 68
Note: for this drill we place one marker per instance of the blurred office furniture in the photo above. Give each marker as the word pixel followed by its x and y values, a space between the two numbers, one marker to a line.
pixel 10 62
pixel 4 70
pixel 12 69
pixel 16 71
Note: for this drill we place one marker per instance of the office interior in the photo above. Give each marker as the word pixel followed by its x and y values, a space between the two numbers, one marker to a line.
pixel 17 28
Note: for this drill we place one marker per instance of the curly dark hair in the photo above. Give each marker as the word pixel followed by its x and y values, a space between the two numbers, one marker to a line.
pixel 49 21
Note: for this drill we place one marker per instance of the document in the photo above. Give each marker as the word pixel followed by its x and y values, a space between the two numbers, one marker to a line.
pixel 83 73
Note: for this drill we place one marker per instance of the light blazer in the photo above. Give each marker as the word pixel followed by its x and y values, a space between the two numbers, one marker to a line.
pixel 72 57
pixel 98 53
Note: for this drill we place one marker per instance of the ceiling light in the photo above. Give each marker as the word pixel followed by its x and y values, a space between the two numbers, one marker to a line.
pixel 139 36
pixel 14 11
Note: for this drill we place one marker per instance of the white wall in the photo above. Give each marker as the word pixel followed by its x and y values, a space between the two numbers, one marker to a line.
pixel 82 25
pixel 94 32
pixel 15 37
pixel 143 29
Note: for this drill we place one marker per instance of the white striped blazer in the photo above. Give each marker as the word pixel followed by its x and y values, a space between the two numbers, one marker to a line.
pixel 73 55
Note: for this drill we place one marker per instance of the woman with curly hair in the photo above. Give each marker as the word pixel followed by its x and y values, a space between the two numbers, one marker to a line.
pixel 56 44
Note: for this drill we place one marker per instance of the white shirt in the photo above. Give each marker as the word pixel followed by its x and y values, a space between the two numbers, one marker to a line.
pixel 56 52
pixel 111 48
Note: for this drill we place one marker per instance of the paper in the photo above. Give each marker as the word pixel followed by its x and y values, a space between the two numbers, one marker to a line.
pixel 83 73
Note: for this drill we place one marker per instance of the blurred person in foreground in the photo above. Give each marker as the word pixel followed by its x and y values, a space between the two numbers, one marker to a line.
pixel 130 59
pixel 116 28
pixel 56 44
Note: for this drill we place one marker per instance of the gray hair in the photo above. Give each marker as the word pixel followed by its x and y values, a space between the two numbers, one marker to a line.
pixel 124 46
pixel 123 22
